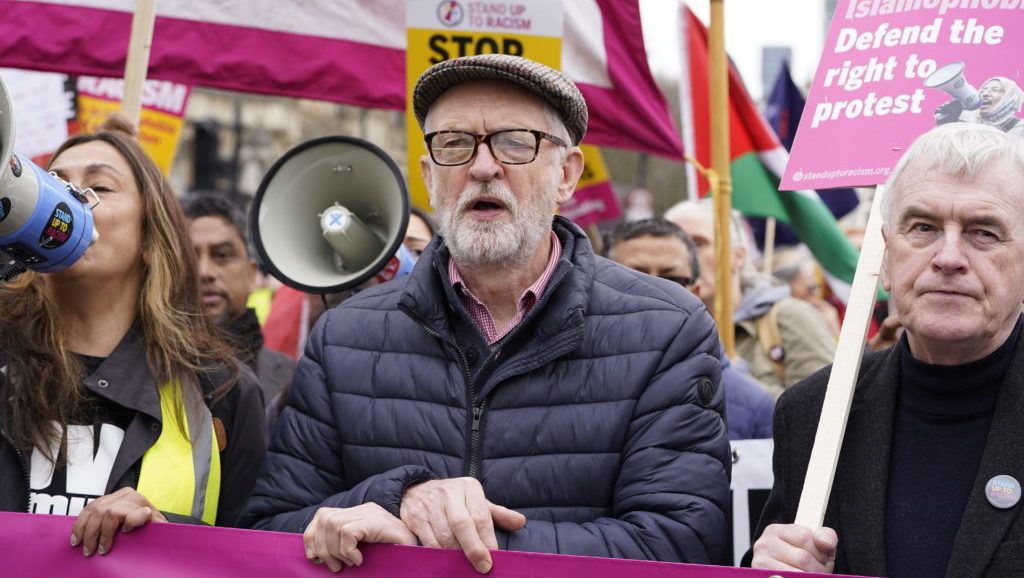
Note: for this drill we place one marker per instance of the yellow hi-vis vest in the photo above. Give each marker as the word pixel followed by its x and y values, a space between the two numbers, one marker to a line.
pixel 177 475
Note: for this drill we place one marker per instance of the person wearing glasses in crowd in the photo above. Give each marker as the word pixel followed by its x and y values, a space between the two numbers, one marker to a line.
pixel 658 247
pixel 516 391
pixel 781 339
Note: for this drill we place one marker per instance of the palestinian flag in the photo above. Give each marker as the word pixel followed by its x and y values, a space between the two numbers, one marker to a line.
pixel 758 161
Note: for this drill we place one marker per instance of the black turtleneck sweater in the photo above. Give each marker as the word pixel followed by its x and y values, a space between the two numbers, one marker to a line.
pixel 943 415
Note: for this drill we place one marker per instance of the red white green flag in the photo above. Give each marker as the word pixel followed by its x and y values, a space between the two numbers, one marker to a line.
pixel 758 160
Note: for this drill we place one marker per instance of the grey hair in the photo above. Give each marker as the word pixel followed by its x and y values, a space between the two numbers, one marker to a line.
pixel 748 274
pixel 707 207
pixel 556 125
pixel 789 262
pixel 960 150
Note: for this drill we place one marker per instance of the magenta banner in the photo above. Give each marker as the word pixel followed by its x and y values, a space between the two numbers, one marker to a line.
pixel 35 545
pixel 348 51
pixel 893 70
pixel 592 205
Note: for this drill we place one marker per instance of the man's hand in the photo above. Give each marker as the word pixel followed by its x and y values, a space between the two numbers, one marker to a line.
pixel 454 513
pixel 793 547
pixel 99 521
pixel 334 534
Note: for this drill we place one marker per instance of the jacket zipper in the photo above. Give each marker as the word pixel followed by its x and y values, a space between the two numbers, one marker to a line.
pixel 474 440
pixel 476 409
pixel 24 470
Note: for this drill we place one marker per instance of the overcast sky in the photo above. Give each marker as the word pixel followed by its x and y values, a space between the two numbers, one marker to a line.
pixel 750 26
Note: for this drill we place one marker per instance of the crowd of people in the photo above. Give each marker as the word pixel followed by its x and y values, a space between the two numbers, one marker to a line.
pixel 517 390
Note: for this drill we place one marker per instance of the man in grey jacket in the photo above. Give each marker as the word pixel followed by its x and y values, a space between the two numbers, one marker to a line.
pixel 515 391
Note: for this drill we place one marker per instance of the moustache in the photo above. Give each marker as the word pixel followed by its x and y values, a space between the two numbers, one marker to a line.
pixel 490 191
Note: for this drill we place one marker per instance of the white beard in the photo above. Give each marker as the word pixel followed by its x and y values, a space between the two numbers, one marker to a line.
pixel 503 243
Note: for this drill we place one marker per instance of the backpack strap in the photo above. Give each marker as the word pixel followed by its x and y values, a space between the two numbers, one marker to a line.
pixel 770 339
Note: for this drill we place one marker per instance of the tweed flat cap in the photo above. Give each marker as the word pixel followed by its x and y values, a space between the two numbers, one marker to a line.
pixel 547 83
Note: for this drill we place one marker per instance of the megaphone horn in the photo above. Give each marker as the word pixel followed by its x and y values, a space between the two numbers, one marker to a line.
pixel 950 79
pixel 330 214
pixel 45 223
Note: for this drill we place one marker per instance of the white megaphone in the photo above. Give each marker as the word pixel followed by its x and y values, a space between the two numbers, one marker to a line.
pixel 45 223
pixel 330 214
pixel 949 78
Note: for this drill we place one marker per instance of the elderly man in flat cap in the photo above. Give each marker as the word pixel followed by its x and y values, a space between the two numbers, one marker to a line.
pixel 516 391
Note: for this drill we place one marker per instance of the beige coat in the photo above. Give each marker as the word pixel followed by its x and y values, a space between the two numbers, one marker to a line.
pixel 807 345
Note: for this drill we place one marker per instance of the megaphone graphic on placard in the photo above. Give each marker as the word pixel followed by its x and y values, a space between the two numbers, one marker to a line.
pixel 949 78
pixel 330 215
pixel 45 222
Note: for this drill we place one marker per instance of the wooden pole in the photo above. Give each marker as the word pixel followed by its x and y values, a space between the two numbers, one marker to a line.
pixel 821 469
pixel 719 95
pixel 137 63
pixel 769 245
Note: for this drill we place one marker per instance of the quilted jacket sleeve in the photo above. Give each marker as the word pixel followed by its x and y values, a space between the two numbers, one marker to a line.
pixel 671 495
pixel 303 471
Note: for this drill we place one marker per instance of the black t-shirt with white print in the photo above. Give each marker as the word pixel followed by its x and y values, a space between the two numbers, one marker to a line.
pixel 93 439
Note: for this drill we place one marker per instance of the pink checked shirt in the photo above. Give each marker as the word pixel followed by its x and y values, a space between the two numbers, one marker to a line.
pixel 478 311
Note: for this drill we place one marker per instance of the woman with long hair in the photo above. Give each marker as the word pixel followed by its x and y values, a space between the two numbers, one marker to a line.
pixel 120 404
pixel 1001 100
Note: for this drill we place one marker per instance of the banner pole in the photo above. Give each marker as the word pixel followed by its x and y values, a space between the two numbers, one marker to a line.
pixel 719 95
pixel 767 261
pixel 821 468
pixel 137 63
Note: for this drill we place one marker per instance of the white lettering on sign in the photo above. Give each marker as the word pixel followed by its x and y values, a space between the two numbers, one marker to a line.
pixel 870 105
pixel 156 94
pixel 866 8
pixel 883 36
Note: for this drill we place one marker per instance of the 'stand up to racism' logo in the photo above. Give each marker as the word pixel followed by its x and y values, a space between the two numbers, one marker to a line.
pixel 58 228
pixel 450 13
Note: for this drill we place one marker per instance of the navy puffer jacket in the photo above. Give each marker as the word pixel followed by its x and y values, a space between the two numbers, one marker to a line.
pixel 599 417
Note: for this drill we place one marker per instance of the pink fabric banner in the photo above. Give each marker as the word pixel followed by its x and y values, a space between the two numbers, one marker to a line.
pixel 344 51
pixel 632 109
pixel 36 545
pixel 592 205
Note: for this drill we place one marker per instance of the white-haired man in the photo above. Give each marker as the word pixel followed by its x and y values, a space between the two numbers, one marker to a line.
pixel 928 477
pixel 782 339
pixel 516 390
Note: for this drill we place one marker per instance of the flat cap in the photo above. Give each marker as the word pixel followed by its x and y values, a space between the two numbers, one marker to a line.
pixel 547 83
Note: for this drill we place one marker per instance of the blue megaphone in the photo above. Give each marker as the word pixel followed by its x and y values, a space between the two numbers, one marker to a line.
pixel 45 222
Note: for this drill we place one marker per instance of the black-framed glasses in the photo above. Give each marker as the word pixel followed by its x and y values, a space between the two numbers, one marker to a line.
pixel 517 146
